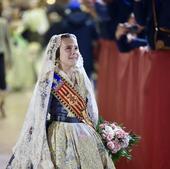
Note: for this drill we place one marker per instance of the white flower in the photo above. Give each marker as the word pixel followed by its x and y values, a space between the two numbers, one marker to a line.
pixel 108 129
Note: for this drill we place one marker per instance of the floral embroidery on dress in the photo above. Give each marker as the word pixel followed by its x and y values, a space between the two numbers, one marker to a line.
pixel 44 83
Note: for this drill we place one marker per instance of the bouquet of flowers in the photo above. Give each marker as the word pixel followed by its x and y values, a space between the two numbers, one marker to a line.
pixel 117 141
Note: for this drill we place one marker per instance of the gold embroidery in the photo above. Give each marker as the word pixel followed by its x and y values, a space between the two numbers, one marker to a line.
pixel 72 99
pixel 77 146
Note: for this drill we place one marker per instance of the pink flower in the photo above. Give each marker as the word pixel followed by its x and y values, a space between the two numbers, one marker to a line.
pixel 109 137
pixel 104 135
pixel 113 125
pixel 102 126
pixel 110 145
pixel 106 122
pixel 104 132
pixel 120 134
pixel 117 147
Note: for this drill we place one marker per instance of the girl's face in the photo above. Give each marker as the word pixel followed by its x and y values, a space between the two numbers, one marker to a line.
pixel 69 52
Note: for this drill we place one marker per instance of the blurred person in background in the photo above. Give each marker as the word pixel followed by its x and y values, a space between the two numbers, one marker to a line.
pixel 130 35
pixel 22 57
pixel 119 11
pixel 59 129
pixel 114 12
pixel 104 21
pixel 82 24
pixel 154 16
pixel 89 7
pixel 55 14
pixel 5 58
pixel 35 22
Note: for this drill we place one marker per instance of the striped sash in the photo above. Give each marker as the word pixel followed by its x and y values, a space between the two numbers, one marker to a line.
pixel 70 98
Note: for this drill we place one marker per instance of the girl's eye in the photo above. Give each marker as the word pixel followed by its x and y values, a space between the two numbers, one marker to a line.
pixel 68 47
pixel 71 47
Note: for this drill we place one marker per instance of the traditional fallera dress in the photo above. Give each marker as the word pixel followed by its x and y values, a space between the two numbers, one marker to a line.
pixel 59 128
pixel 74 144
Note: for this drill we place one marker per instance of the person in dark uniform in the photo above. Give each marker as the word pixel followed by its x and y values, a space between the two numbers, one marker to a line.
pixel 83 26
pixel 119 11
pixel 130 35
pixel 147 19
pixel 154 16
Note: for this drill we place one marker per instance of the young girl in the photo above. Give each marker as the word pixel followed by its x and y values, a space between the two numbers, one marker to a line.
pixel 59 129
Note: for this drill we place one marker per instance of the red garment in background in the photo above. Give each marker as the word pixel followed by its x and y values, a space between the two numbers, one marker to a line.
pixel 134 89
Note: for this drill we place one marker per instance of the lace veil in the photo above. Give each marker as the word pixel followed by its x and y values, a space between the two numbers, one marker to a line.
pixel 32 147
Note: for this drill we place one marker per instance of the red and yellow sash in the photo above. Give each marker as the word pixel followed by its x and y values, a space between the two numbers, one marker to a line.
pixel 70 98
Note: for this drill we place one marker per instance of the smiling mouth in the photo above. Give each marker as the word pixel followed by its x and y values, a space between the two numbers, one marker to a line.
pixel 73 58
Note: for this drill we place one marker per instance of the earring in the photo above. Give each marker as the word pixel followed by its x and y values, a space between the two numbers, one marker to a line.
pixel 57 61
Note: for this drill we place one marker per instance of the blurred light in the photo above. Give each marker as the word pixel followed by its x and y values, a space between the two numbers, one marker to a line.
pixel 50 2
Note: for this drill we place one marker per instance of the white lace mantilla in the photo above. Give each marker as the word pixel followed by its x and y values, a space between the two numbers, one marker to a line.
pixel 32 148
